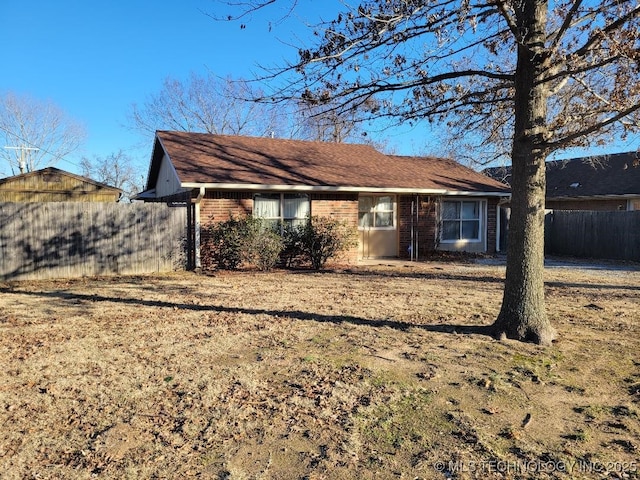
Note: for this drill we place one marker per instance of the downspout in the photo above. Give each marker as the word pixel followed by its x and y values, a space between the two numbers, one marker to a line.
pixel 197 228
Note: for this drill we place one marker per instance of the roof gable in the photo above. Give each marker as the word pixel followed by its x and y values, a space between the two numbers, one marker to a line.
pixel 52 184
pixel 206 159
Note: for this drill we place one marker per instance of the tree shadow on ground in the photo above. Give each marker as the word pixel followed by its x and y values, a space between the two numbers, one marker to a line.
pixel 396 273
pixel 460 277
pixel 597 286
pixel 78 298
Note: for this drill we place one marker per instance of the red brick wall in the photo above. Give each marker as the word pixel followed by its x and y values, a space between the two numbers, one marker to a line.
pixel 342 207
pixel 425 227
pixel 220 206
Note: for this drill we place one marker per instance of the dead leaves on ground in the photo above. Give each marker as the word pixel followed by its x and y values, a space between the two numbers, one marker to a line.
pixel 335 375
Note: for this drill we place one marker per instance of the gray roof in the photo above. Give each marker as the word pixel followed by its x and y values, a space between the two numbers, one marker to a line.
pixel 597 176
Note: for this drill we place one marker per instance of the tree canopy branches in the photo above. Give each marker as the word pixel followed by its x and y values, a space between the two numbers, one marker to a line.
pixel 450 60
pixel 206 104
pixel 36 133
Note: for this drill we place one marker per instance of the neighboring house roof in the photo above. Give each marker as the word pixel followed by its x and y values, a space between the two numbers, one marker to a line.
pixel 51 184
pixel 221 161
pixel 597 176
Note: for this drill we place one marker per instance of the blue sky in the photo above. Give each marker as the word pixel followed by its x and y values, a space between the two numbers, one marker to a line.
pixel 95 59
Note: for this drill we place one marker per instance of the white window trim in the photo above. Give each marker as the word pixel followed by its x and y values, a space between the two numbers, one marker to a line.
pixel 482 214
pixel 394 199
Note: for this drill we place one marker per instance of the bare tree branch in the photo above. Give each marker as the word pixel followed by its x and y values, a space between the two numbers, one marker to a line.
pixel 206 104
pixel 41 133
pixel 116 170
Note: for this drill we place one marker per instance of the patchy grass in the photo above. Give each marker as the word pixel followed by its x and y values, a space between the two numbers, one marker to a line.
pixel 369 372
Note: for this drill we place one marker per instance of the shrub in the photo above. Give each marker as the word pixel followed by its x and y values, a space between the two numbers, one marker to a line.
pixel 233 242
pixel 293 252
pixel 320 239
pixel 262 245
pixel 250 240
pixel 222 245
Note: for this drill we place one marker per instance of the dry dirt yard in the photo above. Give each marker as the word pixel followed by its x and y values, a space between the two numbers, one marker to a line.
pixel 371 372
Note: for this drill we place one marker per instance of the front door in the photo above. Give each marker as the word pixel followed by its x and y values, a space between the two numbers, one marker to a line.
pixel 377 226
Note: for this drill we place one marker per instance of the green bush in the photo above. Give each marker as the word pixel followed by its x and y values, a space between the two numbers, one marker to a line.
pixel 222 245
pixel 320 239
pixel 262 245
pixel 229 244
pixel 293 253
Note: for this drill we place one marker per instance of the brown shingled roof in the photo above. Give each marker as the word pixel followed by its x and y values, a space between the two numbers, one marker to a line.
pixel 200 158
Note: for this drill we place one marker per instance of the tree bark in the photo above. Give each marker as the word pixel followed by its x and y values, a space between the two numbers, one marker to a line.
pixel 523 314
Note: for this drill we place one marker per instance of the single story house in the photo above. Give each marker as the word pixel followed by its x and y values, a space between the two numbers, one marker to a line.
pixel 606 182
pixel 402 206
pixel 54 185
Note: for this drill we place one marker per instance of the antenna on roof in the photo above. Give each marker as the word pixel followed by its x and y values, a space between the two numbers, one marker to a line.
pixel 22 161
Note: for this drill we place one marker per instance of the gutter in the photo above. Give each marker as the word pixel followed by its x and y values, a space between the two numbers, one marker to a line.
pixel 344 189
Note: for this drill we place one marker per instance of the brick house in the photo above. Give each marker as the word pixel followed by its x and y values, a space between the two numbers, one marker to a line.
pixel 402 206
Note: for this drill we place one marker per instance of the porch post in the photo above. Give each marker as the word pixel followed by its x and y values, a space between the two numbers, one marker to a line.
pixel 197 240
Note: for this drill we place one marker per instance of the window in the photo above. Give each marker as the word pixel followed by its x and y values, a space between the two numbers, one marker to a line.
pixel 376 212
pixel 460 220
pixel 282 208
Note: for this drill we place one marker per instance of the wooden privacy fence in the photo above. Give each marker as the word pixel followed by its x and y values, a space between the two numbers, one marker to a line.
pixel 69 239
pixel 613 235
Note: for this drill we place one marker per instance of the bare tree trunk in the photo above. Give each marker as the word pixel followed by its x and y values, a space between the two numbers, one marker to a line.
pixel 523 315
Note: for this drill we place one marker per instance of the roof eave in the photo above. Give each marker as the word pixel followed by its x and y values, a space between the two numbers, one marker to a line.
pixel 340 189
